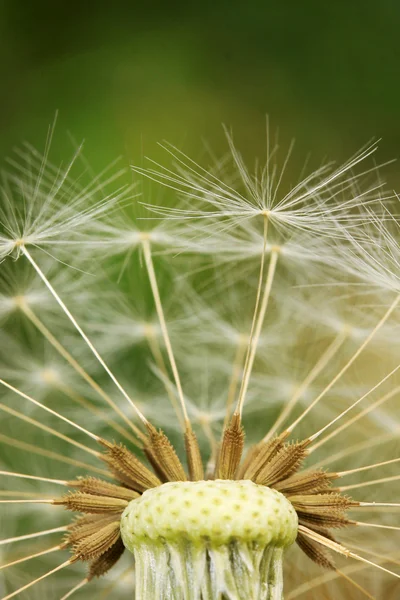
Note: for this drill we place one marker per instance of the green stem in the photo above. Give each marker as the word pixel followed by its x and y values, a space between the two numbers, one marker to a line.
pixel 185 571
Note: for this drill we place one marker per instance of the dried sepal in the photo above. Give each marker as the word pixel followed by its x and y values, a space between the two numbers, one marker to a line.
pixel 231 449
pixel 153 460
pixel 83 520
pixel 259 455
pixel 94 545
pixel 102 564
pixel 87 503
pixel 98 487
pixel 325 520
pixel 324 532
pixel 320 503
pixel 285 462
pixel 310 482
pixel 249 458
pixel 315 551
pixel 167 461
pixel 83 529
pixel 322 510
pixel 126 467
pixel 195 464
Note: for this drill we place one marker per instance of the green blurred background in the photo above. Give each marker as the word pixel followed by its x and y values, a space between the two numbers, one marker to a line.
pixel 125 75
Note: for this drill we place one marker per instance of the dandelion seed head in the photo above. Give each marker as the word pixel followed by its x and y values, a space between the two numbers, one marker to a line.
pixel 44 205
pixel 248 325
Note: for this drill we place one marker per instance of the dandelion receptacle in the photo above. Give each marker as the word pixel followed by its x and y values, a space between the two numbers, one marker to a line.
pixel 210 383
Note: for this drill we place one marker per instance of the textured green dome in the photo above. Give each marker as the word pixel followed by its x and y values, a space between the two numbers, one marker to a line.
pixel 217 511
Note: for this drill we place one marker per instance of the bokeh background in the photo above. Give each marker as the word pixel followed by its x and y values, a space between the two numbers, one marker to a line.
pixel 125 75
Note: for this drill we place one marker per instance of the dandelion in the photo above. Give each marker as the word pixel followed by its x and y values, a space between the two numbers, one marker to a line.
pixel 212 388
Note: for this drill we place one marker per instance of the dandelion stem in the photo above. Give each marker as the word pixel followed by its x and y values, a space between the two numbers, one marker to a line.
pixel 191 444
pixel 49 410
pixel 30 557
pixel 50 454
pixel 253 323
pixel 236 371
pixel 30 536
pixel 28 585
pixel 321 579
pixel 50 430
pixel 348 364
pixel 158 357
pixel 340 549
pixel 378 525
pixel 329 353
pixel 356 448
pixel 343 413
pixel 160 312
pixel 373 466
pixel 354 419
pixel 8 493
pixel 38 501
pixel 81 371
pixel 368 483
pixel 82 333
pixel 78 399
pixel 260 320
pixel 355 584
pixel 373 504
pixel 389 559
pixel 79 586
pixel 34 477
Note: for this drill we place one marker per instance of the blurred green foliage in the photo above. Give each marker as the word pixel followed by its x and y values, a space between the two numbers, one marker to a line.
pixel 125 74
